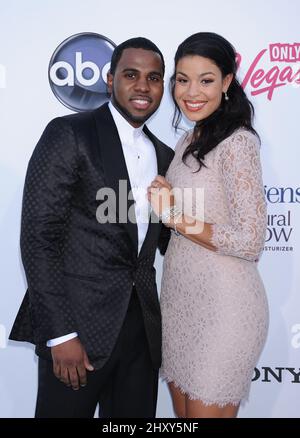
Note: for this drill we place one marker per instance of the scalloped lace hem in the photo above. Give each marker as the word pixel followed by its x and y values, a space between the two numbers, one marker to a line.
pixel 193 396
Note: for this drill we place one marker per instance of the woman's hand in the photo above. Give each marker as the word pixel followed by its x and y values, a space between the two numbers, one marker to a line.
pixel 160 195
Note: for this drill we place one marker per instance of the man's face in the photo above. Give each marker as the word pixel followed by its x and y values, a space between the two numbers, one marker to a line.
pixel 137 85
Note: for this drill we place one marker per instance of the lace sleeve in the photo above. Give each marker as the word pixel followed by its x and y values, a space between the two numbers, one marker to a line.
pixel 240 167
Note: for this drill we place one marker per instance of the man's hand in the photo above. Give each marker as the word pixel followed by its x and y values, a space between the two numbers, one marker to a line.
pixel 70 363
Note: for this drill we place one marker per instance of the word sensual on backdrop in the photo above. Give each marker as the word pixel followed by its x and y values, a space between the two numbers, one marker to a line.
pixel 281 221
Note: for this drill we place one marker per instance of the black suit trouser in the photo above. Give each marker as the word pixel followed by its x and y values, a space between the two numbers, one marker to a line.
pixel 126 387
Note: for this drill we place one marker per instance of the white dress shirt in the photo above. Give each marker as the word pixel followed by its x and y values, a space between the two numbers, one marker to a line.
pixel 141 162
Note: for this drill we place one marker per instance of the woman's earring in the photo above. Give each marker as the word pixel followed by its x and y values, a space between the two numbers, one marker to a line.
pixel 226 96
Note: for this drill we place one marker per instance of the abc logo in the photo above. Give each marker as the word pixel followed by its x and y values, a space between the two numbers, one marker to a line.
pixel 77 71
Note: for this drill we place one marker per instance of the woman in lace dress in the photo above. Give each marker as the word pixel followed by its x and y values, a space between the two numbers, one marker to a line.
pixel 214 307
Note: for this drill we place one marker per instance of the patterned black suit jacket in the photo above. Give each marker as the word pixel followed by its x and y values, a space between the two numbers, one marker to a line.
pixel 80 273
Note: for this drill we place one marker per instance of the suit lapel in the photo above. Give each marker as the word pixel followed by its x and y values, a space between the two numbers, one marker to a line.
pixel 159 153
pixel 154 225
pixel 114 164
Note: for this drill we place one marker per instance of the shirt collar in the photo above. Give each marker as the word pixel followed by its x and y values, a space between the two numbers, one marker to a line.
pixel 127 133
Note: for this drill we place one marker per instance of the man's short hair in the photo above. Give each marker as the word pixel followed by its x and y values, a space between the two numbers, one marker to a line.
pixel 134 43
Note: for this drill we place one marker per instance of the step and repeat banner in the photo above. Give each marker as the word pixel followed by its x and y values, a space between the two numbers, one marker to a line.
pixel 54 56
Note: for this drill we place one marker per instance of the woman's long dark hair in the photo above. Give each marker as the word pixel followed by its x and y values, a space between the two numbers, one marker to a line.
pixel 237 112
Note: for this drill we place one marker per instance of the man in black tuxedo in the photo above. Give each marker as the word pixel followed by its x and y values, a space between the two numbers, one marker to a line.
pixel 91 307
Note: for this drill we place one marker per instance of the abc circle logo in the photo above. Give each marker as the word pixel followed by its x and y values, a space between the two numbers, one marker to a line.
pixel 77 71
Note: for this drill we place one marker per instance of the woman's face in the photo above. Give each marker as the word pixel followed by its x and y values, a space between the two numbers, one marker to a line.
pixel 199 86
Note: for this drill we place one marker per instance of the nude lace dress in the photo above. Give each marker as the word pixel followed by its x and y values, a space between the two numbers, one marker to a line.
pixel 214 306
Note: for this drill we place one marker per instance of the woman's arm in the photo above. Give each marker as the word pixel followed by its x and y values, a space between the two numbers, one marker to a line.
pixel 240 168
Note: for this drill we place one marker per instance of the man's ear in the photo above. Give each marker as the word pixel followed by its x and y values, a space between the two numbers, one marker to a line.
pixel 110 79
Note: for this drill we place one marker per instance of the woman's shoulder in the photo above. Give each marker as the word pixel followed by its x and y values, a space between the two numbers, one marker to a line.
pixel 239 147
pixel 241 135
pixel 240 139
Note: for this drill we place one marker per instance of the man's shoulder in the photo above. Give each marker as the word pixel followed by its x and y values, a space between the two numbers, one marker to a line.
pixel 77 121
pixel 67 129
